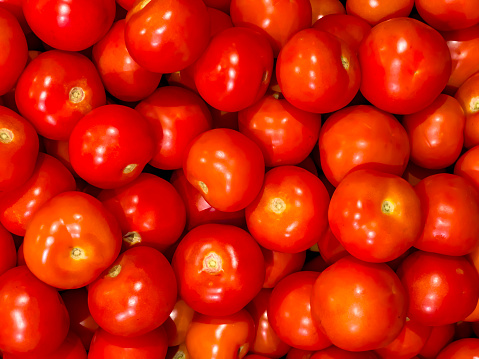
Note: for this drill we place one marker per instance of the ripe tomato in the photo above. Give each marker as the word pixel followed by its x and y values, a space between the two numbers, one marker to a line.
pixel 226 166
pixel 8 252
pixel 317 72
pixel 448 15
pixel 325 7
pixel 336 353
pixel 361 306
pixel 467 166
pixel 33 316
pixel 279 264
pixel 440 336
pixel 378 11
pixel 110 146
pixel 219 269
pixel 330 249
pixel 362 137
pixel 178 323
pixel 135 295
pixel 295 353
pixel 410 72
pixel 290 212
pixel 460 349
pixel 468 97
pixel 70 240
pixel 219 21
pixel 57 89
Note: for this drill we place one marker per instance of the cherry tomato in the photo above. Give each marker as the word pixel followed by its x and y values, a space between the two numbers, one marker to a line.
pixel 378 11
pixel 440 336
pixel 448 14
pixel 460 349
pixel 325 7
pixel 467 166
pixel 279 264
pixel 8 252
pixel 336 353
pixel 70 240
pixel 178 323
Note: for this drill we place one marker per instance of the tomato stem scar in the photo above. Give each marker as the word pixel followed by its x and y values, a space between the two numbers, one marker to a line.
pixel 474 104
pixel 6 136
pixel 129 168
pixel 76 95
pixel 345 62
pixel 203 187
pixel 212 263
pixel 277 205
pixel 114 271
pixel 132 238
pixel 77 253
pixel 387 207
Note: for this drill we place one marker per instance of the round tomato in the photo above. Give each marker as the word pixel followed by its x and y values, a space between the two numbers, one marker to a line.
pixel 467 166
pixel 279 264
pixel 460 349
pixel 336 353
pixel 447 15
pixel 178 323
pixel 378 11
pixel 468 97
pixel 325 7
pixel 439 337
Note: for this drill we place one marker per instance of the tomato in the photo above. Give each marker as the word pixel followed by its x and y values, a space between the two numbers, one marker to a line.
pixel 220 337
pixel 235 69
pixel 289 312
pixel 33 316
pixel 219 21
pixel 336 353
pixel 226 166
pixel 285 134
pixel 57 89
pixel 361 306
pixel 448 15
pixel 330 249
pixel 110 146
pixel 295 353
pixel 279 264
pixel 440 336
pixel 121 75
pixel 409 73
pixel 219 269
pixel 460 349
pixel 178 323
pixel 135 295
pixel 15 8
pixel 317 72
pixel 414 173
pixel 70 240
pixel 70 25
pixel 151 345
pixel 378 11
pixel 18 149
pixel 177 116
pixel 467 166
pixel 278 20
pixel 290 212
pixel 450 206
pixel 325 7
pixel 362 137
pixel 8 252
pixel 14 53
pixel 376 216
pixel 468 97
pixel 167 36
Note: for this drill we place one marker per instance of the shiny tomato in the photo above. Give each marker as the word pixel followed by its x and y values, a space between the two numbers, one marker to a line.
pixel 19 146
pixel 317 72
pixel 33 316
pixel 361 306
pixel 362 137
pixel 445 15
pixel 57 89
pixel 8 252
pixel 70 240
pixel 461 349
pixel 178 323
pixel 336 353
pixel 378 11
pixel 177 116
pixel 135 295
pixel 226 166
pixel 167 36
pixel 121 75
pixel 290 212
pixel 410 72
pixel 70 25
pixel 325 7
pixel 219 269
pixel 467 166
pixel 279 264
pixel 440 336
pixel 110 146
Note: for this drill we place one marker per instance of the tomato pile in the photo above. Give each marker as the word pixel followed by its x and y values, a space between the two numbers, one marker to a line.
pixel 227 179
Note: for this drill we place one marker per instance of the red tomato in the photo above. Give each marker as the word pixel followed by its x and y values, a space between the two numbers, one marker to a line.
pixel 378 11
pixel 467 166
pixel 330 249
pixel 135 295
pixel 325 7
pixel 167 36
pixel 8 252
pixel 151 345
pixel 410 72
pixel 15 8
pixel 49 178
pixel 56 90
pixel 414 173
pixel 289 312
pixel 177 116
pixel 362 137
pixel 219 21
pixel 440 336
pixel 448 15
pixel 18 149
pixel 33 316
pixel 317 72
pixel 59 150
pixel 121 75
pixel 235 69
pixel 279 264
pixel 460 349
pixel 110 146
pixel 361 306
pixel 336 353
pixel 226 166
pixel 295 353
pixel 70 240
pixel 219 269
pixel 290 212
pixel 178 323
pixel 13 57
pixel 70 25
pixel 468 97
pixel 450 206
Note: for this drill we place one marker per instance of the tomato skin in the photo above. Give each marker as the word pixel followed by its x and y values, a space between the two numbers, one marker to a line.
pixel 49 178
pixel 70 25
pixel 330 249
pixel 117 291
pixel 151 345
pixel 336 353
pixel 19 146
pixel 351 295
pixel 219 269
pixel 410 72
pixel 290 212
pixel 219 21
pixel 110 146
pixel 450 206
pixel 279 264
pixel 463 348
pixel 226 167
pixel 467 166
pixel 446 15
pixel 178 323
pixel 70 240
pixel 122 76
pixel 56 90
pixel 28 297
pixel 325 7
pixel 379 11
pixel 8 252
pixel 177 116
pixel 441 289
pixel 468 97
pixel 13 57
pixel 362 137
pixel 440 336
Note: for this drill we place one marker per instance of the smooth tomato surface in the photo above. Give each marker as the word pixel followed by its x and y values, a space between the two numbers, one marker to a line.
pixel 378 11
pixel 178 323
pixel 467 166
pixel 279 264
pixel 445 15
